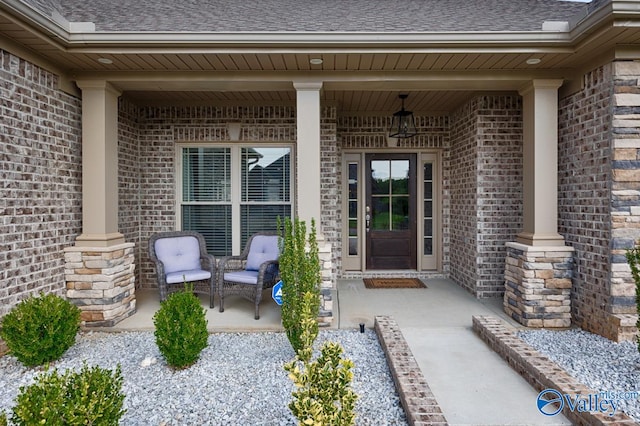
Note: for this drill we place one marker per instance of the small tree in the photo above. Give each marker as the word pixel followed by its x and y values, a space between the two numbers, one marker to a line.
pixel 323 395
pixel 300 273
pixel 633 257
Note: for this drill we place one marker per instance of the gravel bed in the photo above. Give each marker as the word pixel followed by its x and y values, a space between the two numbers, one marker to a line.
pixel 596 362
pixel 239 379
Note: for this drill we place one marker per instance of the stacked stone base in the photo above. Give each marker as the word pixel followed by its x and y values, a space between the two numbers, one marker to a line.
pixel 621 327
pixel 538 285
pixel 101 282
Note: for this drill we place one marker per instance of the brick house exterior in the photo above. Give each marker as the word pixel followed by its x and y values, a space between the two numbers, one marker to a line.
pixel 492 236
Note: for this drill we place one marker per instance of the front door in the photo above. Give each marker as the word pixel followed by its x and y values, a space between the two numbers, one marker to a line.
pixel 390 211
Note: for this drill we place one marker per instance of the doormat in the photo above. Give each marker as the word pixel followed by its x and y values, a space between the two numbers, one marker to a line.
pixel 393 283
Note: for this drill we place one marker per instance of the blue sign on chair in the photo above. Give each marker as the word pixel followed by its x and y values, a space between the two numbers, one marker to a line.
pixel 276 292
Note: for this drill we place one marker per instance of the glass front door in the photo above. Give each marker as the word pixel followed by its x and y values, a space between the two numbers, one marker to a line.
pixel 390 212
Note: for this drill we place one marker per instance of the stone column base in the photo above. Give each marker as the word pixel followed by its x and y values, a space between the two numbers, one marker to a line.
pixel 101 282
pixel 621 327
pixel 538 285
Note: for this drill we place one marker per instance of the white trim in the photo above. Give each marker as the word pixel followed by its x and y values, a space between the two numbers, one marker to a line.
pixel 435 259
pixel 528 248
pixel 352 262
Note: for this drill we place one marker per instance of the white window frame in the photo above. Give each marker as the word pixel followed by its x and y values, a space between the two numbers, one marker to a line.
pixel 236 182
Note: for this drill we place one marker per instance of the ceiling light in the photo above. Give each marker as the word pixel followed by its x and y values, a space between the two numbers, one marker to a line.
pixel 105 61
pixel 533 61
pixel 403 124
pixel 315 61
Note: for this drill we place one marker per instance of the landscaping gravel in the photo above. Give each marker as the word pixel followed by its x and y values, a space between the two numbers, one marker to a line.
pixel 239 379
pixel 596 362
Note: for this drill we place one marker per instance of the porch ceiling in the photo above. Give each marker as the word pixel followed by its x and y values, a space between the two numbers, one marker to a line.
pixel 434 102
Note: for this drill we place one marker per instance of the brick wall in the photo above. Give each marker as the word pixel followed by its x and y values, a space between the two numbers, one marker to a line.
pixel 499 187
pixel 157 184
pixel 584 194
pixel 330 191
pixel 129 174
pixel 41 193
pixel 486 190
pixel 464 196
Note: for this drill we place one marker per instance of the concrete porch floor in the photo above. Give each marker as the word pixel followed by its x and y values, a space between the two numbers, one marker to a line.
pixel 472 384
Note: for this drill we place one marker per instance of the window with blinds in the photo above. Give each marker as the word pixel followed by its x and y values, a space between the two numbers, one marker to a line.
pixel 221 184
pixel 265 189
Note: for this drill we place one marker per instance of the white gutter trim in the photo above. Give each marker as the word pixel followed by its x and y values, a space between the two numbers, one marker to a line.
pixel 56 24
pixel 323 38
pixel 35 17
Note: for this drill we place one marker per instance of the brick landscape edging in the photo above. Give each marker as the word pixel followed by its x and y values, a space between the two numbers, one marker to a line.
pixel 540 371
pixel 418 401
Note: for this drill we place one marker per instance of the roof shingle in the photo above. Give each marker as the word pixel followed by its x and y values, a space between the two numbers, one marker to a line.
pixel 314 15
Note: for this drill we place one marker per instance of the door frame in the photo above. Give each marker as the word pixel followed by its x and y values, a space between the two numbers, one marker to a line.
pixel 357 262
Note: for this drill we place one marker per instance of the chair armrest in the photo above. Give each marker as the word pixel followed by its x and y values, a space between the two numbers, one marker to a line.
pixel 208 263
pixel 231 263
pixel 228 263
pixel 269 273
pixel 162 277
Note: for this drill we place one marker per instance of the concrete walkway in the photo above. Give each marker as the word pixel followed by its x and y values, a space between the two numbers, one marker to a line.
pixel 472 384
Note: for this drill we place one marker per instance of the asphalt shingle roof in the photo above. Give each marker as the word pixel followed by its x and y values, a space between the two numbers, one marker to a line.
pixel 314 15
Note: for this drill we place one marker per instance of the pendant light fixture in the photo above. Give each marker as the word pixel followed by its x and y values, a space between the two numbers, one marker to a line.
pixel 403 124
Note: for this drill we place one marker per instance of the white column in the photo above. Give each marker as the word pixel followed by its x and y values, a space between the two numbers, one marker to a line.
pixel 99 165
pixel 540 157
pixel 308 151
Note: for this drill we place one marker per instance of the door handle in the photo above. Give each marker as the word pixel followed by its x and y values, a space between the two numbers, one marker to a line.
pixel 367 219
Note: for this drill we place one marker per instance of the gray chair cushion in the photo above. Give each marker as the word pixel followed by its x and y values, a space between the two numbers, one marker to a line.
pixel 244 277
pixel 263 248
pixel 188 276
pixel 178 254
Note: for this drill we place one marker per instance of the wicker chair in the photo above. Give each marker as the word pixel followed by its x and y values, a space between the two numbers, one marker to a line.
pixel 181 256
pixel 253 271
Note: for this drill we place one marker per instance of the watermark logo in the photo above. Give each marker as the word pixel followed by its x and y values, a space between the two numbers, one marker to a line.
pixel 551 402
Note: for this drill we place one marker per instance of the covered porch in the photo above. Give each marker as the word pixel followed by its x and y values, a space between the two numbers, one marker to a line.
pixel 491 159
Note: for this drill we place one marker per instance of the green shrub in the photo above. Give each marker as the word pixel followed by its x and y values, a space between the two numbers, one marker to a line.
pixel 633 257
pixel 3 418
pixel 323 395
pixel 92 396
pixel 300 274
pixel 181 328
pixel 40 329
